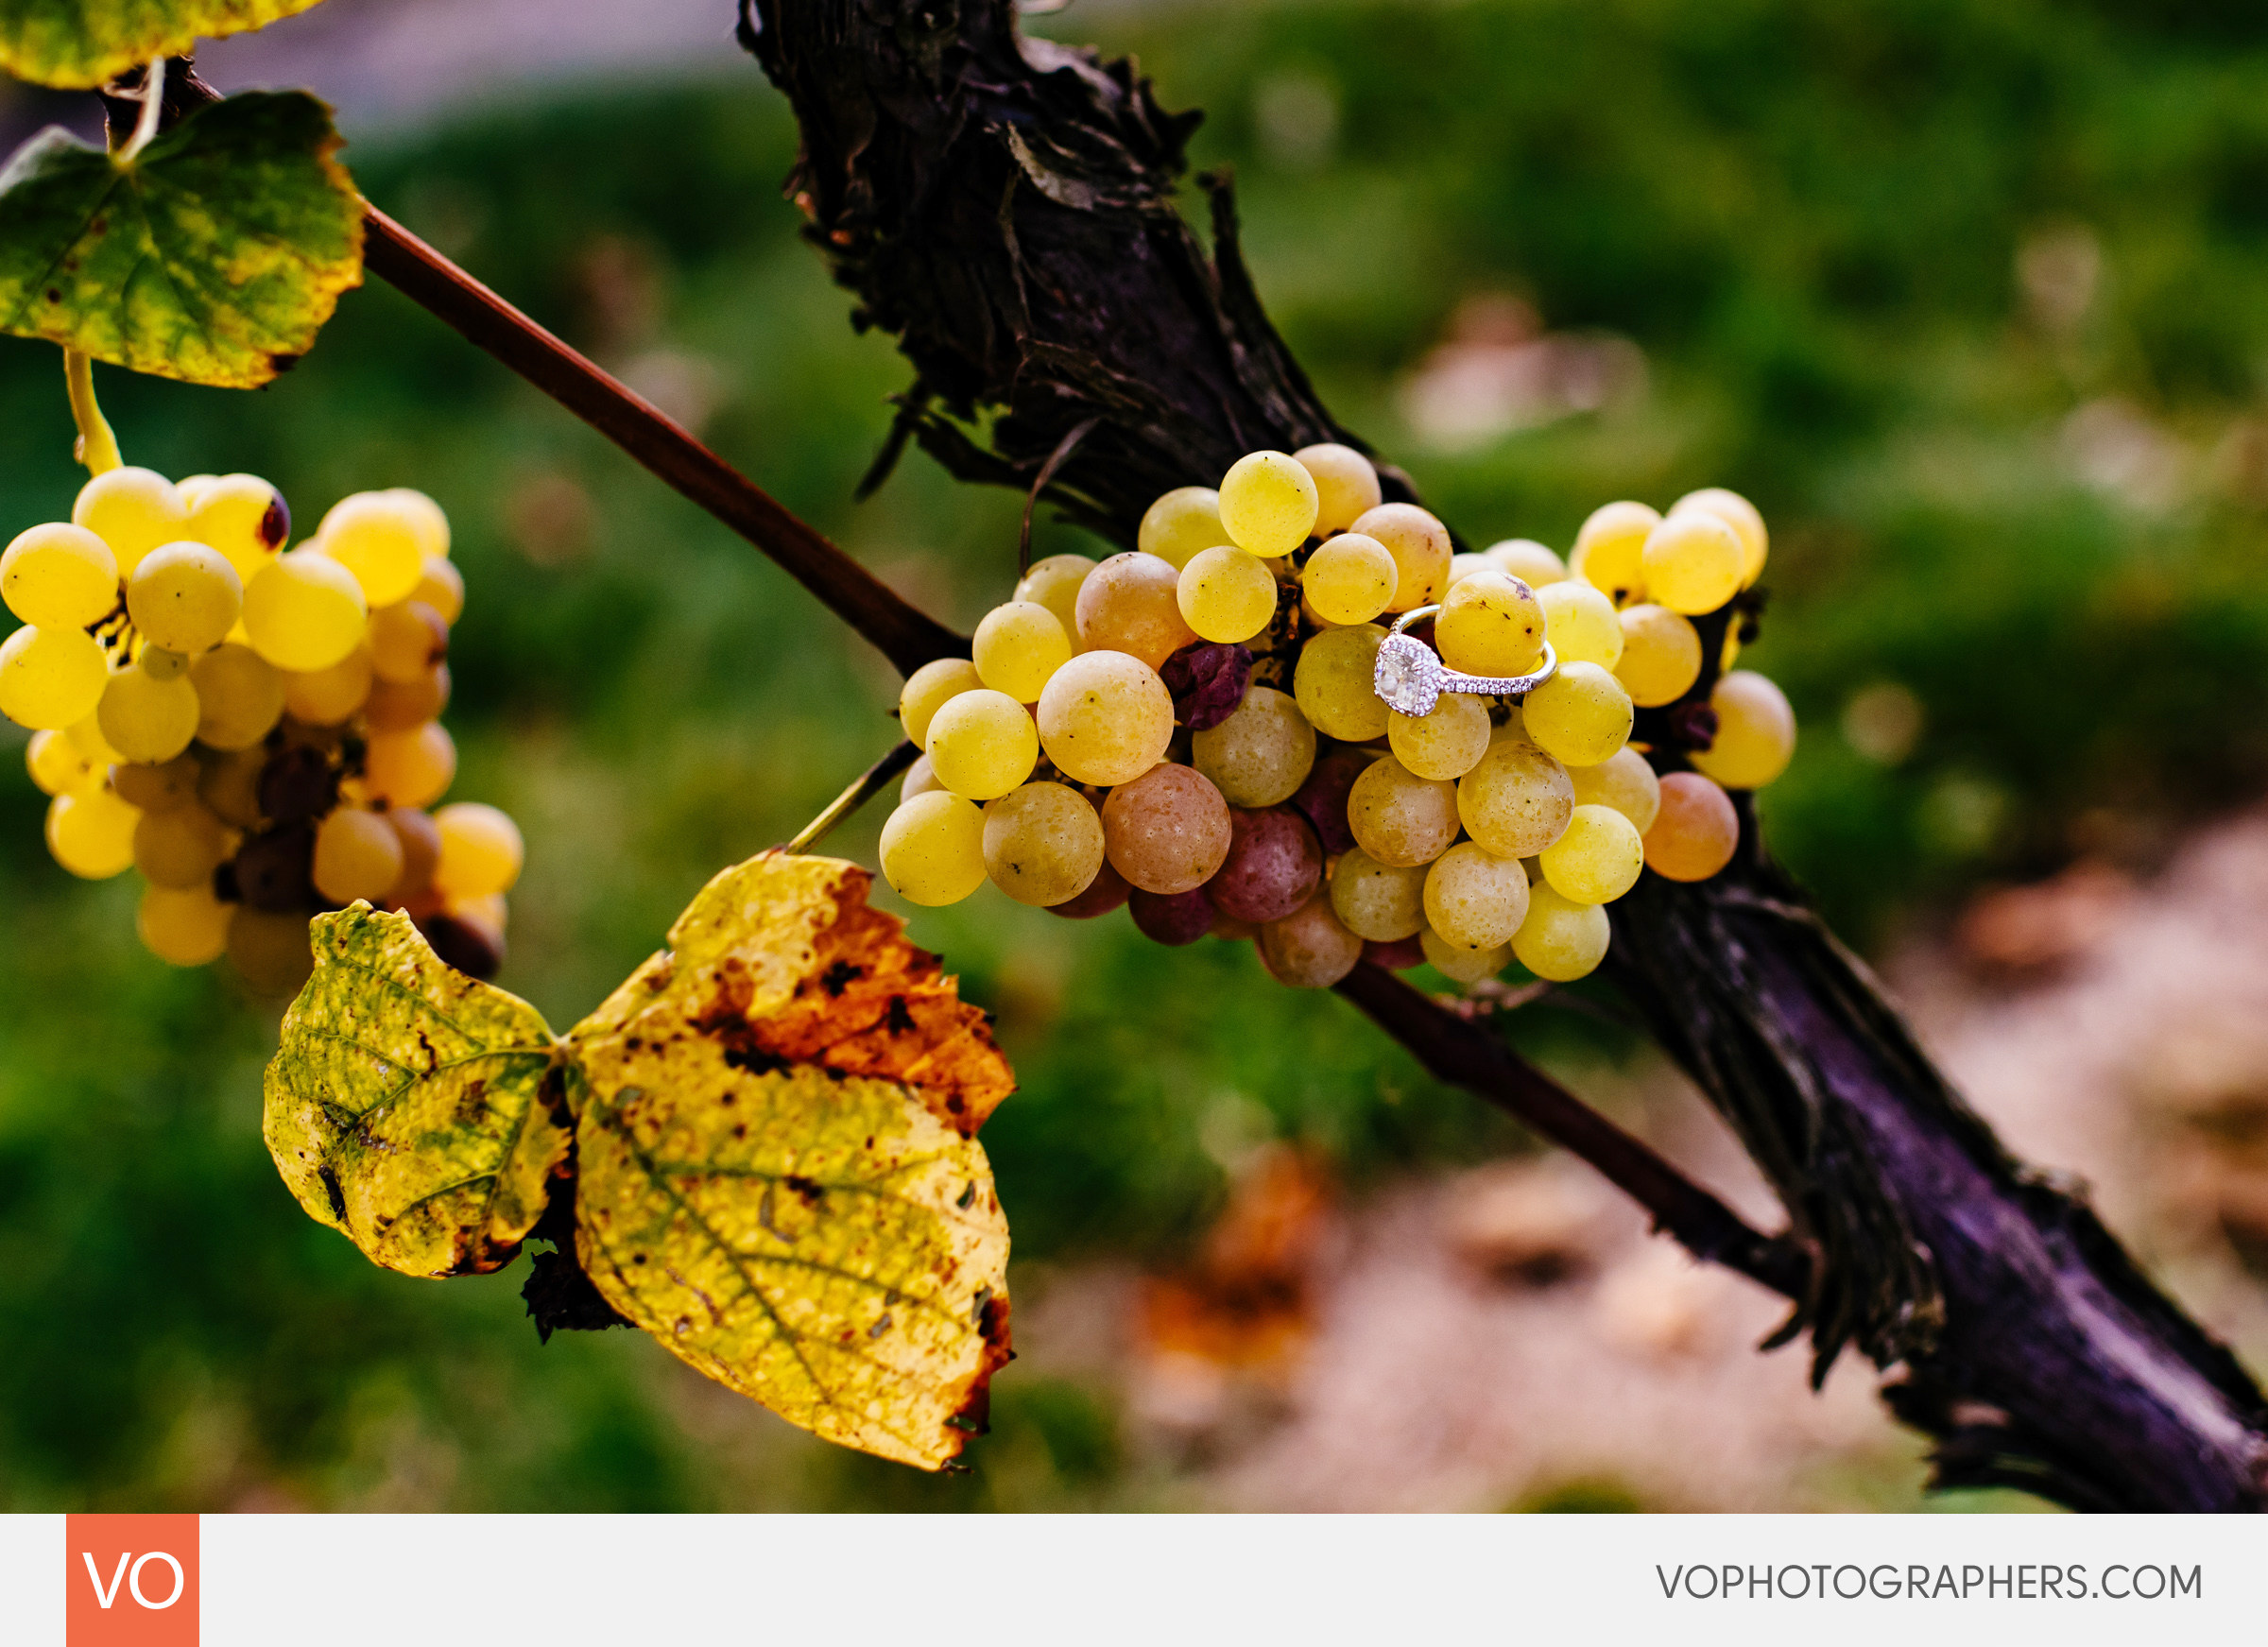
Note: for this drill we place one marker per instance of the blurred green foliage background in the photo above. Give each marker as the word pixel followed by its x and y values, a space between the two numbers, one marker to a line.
pixel 1970 296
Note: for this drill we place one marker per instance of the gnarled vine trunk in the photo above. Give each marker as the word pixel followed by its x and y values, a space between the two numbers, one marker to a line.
pixel 1006 207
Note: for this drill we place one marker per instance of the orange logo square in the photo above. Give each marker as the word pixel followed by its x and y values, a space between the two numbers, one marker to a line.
pixel 130 1580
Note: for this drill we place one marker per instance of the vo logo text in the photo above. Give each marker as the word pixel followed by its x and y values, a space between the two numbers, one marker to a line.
pixel 131 1581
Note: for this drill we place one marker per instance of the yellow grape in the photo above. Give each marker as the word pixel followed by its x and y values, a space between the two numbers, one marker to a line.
pixel 1268 502
pixel 1106 718
pixel 1696 832
pixel 395 706
pixel 325 697
pixel 1383 902
pixel 490 913
pixel 239 696
pixel 1345 484
pixel 1517 801
pixel 50 678
pixel 442 588
pixel 59 576
pixel 1350 579
pixel 158 788
pixel 983 744
pixel 1132 604
pixel 1561 941
pixel 184 926
pixel 1445 744
pixel 1529 561
pixel 1260 754
pixel 357 854
pixel 1741 515
pixel 1180 523
pixel 1460 963
pixel 481 851
pixel 1462 566
pixel 920 779
pixel 412 769
pixel 1399 818
pixel 1756 732
pixel 1598 859
pixel 420 839
pixel 378 538
pixel 1661 654
pixel 56 767
pixel 305 611
pixel 1624 782
pixel 92 833
pixel 1017 647
pixel 1226 594
pixel 230 784
pixel 406 641
pixel 184 596
pixel 1042 843
pixel 421 515
pixel 1309 947
pixel 133 510
pixel 933 849
pixel 270 950
pixel 1693 562
pixel 1581 624
pixel 181 846
pixel 147 719
pixel 1053 583
pixel 1168 831
pixel 1490 624
pixel 86 737
pixel 926 691
pixel 1581 715
pixel 241 516
pixel 1333 686
pixel 1421 550
pixel 1474 899
pixel 1610 550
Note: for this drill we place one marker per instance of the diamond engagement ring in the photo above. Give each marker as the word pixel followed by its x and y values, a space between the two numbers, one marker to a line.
pixel 1410 679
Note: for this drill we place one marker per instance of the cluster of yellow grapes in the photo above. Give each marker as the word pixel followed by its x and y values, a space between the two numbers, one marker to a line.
pixel 256 730
pixel 1194 729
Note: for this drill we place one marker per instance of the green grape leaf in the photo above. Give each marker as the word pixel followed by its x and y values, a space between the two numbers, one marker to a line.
pixel 77 43
pixel 214 255
pixel 410 1107
pixel 775 1174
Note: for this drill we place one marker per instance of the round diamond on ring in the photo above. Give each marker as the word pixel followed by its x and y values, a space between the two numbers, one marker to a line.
pixel 1411 680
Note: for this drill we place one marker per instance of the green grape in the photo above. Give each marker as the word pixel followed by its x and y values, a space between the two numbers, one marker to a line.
pixel 1561 941
pixel 270 950
pixel 377 537
pixel 92 833
pixel 357 854
pixel 1168 831
pixel 1106 718
pixel 184 926
pixel 1400 819
pixel 133 510
pixel 1474 899
pixel 58 766
pixel 1598 859
pixel 1610 551
pixel 1421 550
pixel 1332 684
pixel 412 769
pixel 1042 843
pixel 1350 579
pixel 1661 654
pixel 1309 947
pixel 159 788
pixel 1696 832
pixel 1180 523
pixel 1741 515
pixel 933 849
pixel 442 588
pixel 1490 624
pixel 983 744
pixel 1226 594
pixel 181 846
pixel 1517 801
pixel 1460 963
pixel 51 678
pixel 421 515
pixel 1624 782
pixel 326 698
pixel 1017 647
pixel 59 576
pixel 1756 732
pixel 1132 604
pixel 1444 744
pixel 147 719
pixel 1345 485
pixel 305 611
pixel 1268 502
pixel 1383 902
pixel 1581 624
pixel 1055 583
pixel 406 641
pixel 926 691
pixel 481 851
pixel 241 516
pixel 1260 754
pixel 396 705
pixel 920 779
pixel 184 596
pixel 1529 561
pixel 1581 715
pixel 1693 562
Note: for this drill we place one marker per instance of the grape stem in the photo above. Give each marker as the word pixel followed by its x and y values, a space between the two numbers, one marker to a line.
pixel 863 788
pixel 145 123
pixel 95 447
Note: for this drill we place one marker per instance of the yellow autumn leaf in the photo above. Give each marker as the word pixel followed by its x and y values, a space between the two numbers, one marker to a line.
pixel 775 1173
pixel 408 1105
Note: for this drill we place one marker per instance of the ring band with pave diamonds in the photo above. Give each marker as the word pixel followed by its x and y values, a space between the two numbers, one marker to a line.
pixel 1410 679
